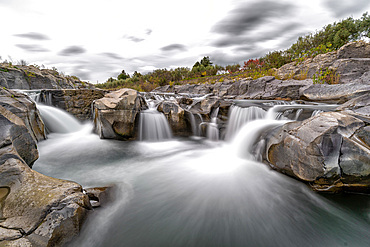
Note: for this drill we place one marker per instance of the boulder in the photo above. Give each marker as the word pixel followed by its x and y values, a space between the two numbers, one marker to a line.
pixel 37 210
pixel 24 108
pixel 116 115
pixel 359 49
pixel 177 119
pixel 357 106
pixel 336 94
pixel 328 151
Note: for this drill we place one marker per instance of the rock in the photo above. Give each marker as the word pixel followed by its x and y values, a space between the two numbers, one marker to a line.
pixel 269 88
pixel 24 108
pixel 116 115
pixel 357 106
pixel 358 49
pixel 31 77
pixel 99 196
pixel 43 211
pixel 179 123
pixel 323 151
pixel 334 93
pixel 350 62
pixel 75 101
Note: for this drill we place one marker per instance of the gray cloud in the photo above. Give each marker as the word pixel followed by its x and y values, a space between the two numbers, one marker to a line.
pixel 248 16
pixel 148 31
pixel 133 38
pixel 32 48
pixel 343 8
pixel 72 50
pixel 112 55
pixel 174 47
pixel 33 36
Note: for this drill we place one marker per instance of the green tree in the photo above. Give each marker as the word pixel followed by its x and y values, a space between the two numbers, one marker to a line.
pixel 123 75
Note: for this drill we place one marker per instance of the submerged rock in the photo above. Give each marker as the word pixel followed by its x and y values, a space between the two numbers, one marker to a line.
pixel 116 115
pixel 327 151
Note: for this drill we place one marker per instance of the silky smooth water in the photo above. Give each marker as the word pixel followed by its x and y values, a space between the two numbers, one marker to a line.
pixel 185 192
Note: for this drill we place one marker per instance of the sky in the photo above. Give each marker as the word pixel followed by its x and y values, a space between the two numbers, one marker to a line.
pixel 96 40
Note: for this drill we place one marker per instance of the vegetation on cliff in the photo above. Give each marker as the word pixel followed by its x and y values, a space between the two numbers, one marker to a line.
pixel 329 38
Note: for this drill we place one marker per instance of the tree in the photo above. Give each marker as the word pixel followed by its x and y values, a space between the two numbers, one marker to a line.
pixel 123 75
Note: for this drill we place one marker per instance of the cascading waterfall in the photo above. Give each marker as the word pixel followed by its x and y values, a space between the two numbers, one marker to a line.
pixel 212 127
pixel 153 125
pixel 239 116
pixel 191 192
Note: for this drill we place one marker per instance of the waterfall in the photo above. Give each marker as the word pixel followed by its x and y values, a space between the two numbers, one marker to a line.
pixel 239 116
pixel 57 120
pixel 153 125
pixel 212 127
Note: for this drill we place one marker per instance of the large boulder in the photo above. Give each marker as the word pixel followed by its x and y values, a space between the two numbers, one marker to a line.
pixel 37 210
pixel 329 151
pixel 32 77
pixel 116 115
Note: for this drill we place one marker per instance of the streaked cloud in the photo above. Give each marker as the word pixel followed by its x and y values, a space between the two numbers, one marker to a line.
pixel 72 50
pixel 341 8
pixel 32 48
pixel 174 47
pixel 33 36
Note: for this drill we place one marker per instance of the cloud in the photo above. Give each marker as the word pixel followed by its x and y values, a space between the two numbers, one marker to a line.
pixel 112 55
pixel 33 36
pixel 148 31
pixel 248 16
pixel 72 50
pixel 174 47
pixel 133 38
pixel 344 8
pixel 32 48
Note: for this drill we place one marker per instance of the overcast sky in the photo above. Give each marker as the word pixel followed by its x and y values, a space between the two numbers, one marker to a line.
pixel 95 40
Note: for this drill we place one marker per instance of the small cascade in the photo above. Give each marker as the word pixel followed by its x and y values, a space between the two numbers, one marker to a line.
pixel 193 124
pixel 239 116
pixel 58 121
pixel 316 112
pixel 212 128
pixel 153 125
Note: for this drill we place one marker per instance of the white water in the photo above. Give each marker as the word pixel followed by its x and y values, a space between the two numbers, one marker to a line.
pixel 239 116
pixel 197 193
pixel 153 126
pixel 58 121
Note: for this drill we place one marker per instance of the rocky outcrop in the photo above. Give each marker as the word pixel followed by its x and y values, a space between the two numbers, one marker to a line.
pixel 35 210
pixel 359 106
pixel 116 115
pixel 350 62
pixel 330 151
pixel 75 101
pixel 32 77
pixel 339 93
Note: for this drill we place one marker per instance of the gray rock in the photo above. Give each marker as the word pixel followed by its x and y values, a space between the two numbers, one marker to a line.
pixel 116 115
pixel 339 93
pixel 359 49
pixel 179 123
pixel 324 151
pixel 31 77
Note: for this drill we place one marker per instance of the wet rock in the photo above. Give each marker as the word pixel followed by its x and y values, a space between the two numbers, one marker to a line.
pixel 99 196
pixel 323 151
pixel 176 117
pixel 116 115
pixel 25 109
pixel 357 106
